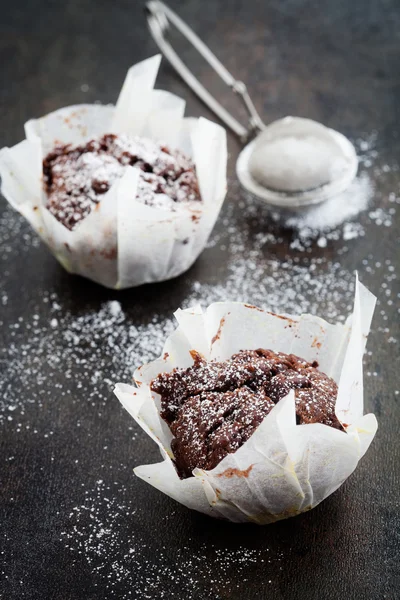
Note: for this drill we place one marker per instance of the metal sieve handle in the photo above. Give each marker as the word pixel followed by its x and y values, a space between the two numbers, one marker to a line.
pixel 159 17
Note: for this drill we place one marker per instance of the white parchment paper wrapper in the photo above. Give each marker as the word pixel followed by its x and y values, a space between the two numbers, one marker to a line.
pixel 123 243
pixel 284 469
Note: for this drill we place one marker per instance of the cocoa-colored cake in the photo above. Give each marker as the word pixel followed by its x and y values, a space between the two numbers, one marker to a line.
pixel 212 408
pixel 76 178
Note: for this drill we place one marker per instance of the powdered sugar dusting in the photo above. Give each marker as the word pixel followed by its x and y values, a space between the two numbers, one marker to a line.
pixel 103 346
pixel 77 178
pixel 339 217
pixel 100 529
pixel 212 408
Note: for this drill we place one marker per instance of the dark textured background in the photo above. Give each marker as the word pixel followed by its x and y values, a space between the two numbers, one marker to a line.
pixel 335 61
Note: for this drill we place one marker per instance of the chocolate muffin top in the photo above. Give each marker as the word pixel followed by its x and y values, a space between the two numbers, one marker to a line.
pixel 212 408
pixel 76 177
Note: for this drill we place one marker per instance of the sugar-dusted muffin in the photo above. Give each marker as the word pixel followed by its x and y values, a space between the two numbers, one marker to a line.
pixel 247 429
pixel 123 195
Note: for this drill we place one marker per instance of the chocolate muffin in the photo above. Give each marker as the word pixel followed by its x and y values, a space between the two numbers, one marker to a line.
pixel 76 178
pixel 212 408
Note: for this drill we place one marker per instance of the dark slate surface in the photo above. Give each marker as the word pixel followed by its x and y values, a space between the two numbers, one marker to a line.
pixel 75 523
